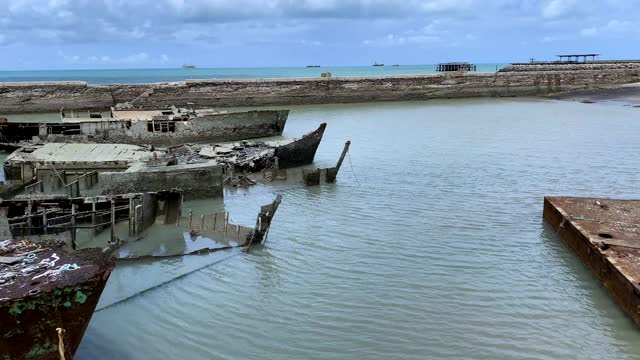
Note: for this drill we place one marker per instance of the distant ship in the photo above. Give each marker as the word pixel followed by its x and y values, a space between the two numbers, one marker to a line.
pixel 188 66
pixel 395 65
pixel 377 64
pixel 313 66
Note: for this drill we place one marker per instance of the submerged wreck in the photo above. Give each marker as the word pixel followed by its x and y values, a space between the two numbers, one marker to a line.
pixel 48 298
pixel 49 293
pixel 199 171
pixel 120 223
pixel 158 128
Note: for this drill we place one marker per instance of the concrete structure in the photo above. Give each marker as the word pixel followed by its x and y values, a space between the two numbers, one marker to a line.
pixel 51 161
pixel 195 181
pixel 605 235
pixel 51 97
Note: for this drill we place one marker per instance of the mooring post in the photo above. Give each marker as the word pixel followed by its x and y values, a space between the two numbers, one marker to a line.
pixel 29 221
pixel 93 213
pixel 201 222
pixel 44 220
pixel 113 220
pixel 138 220
pixel 345 150
pixel 190 219
pixel 131 220
pixel 73 226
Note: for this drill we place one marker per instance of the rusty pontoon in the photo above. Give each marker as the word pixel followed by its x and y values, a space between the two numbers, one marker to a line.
pixel 605 234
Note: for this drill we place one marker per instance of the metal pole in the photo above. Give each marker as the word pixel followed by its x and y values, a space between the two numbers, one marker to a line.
pixel 113 220
pixel 73 227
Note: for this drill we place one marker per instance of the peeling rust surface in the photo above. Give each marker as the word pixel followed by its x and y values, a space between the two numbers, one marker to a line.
pixel 605 234
pixel 48 289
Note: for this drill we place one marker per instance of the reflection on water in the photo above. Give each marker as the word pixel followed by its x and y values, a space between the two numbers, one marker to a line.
pixel 440 252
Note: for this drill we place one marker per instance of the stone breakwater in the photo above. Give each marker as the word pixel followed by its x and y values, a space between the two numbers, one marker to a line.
pixel 568 66
pixel 52 96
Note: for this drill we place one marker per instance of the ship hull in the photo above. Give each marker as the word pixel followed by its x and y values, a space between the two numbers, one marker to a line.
pixel 207 128
pixel 29 322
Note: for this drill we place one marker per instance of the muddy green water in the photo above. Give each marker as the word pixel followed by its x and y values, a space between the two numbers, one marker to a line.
pixel 439 252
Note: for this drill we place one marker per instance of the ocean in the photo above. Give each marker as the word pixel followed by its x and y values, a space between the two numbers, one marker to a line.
pixel 137 76
pixel 431 245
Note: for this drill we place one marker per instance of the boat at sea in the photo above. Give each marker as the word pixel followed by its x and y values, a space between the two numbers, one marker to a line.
pixel 377 64
pixel 163 127
pixel 313 66
pixel 188 66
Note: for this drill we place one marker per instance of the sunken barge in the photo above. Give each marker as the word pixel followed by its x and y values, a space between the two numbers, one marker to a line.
pixel 158 128
pixel 48 297
pixel 199 170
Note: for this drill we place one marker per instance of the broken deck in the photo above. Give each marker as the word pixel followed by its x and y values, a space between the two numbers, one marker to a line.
pixel 605 234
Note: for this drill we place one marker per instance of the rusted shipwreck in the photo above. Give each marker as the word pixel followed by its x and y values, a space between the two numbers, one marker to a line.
pixel 49 293
pixel 157 128
pixel 48 296
pixel 199 171
pixel 121 222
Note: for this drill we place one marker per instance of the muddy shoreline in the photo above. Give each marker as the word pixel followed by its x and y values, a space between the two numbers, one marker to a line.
pixel 627 95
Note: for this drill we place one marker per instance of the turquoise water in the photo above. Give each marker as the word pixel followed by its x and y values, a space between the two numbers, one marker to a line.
pixel 134 76
pixel 437 250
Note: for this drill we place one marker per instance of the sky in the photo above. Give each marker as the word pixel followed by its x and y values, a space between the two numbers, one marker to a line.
pixel 99 34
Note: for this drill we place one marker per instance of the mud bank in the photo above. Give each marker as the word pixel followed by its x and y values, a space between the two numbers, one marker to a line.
pixel 52 96
pixel 627 95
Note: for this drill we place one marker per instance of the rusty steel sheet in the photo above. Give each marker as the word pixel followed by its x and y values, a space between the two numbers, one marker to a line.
pixel 605 234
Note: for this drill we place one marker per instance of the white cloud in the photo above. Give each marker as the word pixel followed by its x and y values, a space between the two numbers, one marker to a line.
pixel 141 58
pixel 557 8
pixel 614 27
pixel 138 58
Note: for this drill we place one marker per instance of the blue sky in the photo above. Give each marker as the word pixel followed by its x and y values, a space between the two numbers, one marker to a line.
pixel 85 34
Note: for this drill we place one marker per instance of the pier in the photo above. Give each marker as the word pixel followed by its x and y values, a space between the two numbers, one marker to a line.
pixel 605 235
pixel 456 66
pixel 571 57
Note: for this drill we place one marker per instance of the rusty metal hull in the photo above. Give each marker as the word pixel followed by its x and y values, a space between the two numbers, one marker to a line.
pixel 34 307
pixel 300 152
pixel 206 128
pixel 605 235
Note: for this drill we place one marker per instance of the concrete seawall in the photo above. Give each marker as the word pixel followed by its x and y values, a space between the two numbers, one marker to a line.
pixel 52 96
